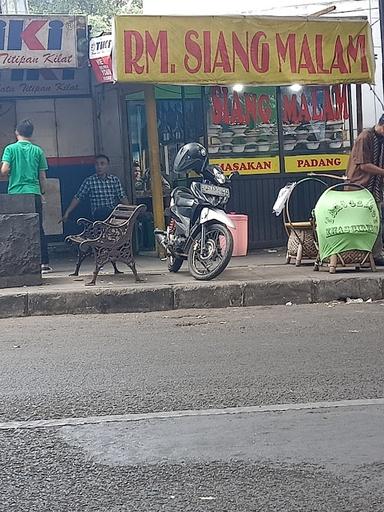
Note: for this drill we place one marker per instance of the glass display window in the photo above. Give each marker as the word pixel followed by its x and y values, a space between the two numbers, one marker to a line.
pixel 242 129
pixel 316 128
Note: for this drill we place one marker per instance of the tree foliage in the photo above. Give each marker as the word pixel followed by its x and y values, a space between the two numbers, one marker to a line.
pixel 99 12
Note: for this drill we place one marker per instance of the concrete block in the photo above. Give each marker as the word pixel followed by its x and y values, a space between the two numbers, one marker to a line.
pixel 62 303
pixel 17 203
pixel 19 249
pixel 204 295
pixel 136 300
pixel 353 287
pixel 100 301
pixel 22 280
pixel 264 293
pixel 13 305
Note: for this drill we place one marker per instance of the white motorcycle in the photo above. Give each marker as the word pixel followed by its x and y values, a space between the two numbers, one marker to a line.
pixel 199 227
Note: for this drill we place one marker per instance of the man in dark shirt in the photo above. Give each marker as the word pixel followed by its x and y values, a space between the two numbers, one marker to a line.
pixel 104 191
pixel 366 168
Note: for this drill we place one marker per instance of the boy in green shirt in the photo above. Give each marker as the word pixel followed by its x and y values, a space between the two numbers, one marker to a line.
pixel 25 165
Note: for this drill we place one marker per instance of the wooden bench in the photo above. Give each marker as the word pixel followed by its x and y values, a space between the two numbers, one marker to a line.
pixel 109 240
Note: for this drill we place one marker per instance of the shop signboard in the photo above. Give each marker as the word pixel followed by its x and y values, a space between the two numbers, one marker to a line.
pixel 100 56
pixel 33 83
pixel 35 41
pixel 251 165
pixel 242 49
pixel 317 162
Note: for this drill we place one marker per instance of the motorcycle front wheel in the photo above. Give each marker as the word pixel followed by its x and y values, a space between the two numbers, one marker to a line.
pixel 217 251
pixel 174 263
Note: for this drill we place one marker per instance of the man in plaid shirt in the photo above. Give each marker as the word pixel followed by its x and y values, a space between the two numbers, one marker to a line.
pixel 104 191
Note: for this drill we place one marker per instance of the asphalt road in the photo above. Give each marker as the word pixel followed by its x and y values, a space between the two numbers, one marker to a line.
pixel 301 458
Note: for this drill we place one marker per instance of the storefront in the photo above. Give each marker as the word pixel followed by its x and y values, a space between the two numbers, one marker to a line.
pixel 270 98
pixel 44 76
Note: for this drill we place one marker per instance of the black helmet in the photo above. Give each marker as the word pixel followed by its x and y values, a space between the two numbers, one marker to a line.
pixel 191 157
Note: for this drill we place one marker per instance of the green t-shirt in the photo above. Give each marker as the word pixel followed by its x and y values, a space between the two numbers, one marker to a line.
pixel 25 160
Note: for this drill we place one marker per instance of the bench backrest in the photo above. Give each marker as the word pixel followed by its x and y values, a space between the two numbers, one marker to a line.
pixel 117 229
pixel 123 213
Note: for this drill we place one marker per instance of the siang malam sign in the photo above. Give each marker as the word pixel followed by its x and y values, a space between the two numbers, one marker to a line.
pixel 38 41
pixel 313 104
pixel 319 104
pixel 239 108
pixel 245 49
pixel 100 56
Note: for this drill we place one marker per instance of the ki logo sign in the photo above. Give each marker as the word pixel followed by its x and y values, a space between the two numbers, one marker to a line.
pixel 32 35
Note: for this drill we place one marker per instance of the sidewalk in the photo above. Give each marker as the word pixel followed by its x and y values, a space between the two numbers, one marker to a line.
pixel 262 278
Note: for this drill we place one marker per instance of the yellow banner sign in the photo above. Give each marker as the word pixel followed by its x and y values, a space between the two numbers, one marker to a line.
pixel 313 163
pixel 267 165
pixel 245 49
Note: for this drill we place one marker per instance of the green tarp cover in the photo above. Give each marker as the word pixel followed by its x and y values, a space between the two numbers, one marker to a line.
pixel 346 220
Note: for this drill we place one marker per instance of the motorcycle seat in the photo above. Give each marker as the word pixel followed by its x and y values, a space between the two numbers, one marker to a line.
pixel 183 198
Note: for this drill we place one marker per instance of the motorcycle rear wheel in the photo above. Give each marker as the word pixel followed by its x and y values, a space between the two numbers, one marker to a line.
pixel 219 242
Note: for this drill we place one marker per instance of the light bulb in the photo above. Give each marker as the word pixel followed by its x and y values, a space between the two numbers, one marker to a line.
pixel 238 87
pixel 296 87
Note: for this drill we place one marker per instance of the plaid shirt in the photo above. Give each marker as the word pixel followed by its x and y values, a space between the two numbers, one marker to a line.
pixel 102 192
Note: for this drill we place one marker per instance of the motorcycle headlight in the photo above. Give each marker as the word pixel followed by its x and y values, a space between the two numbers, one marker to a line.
pixel 219 176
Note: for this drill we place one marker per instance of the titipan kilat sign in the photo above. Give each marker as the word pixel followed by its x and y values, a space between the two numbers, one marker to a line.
pixel 39 41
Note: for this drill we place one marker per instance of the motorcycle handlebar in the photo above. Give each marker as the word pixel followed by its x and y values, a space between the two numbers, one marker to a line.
pixel 234 173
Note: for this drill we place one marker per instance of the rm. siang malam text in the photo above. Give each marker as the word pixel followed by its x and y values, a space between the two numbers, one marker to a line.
pixel 257 52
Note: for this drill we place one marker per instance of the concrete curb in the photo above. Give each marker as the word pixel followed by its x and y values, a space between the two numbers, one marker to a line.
pixel 195 295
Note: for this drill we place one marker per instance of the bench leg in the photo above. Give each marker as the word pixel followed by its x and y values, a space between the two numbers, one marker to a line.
pixel 81 257
pixel 116 269
pixel 92 282
pixel 132 266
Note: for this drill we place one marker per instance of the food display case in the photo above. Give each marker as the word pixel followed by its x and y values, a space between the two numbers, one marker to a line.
pixel 260 139
pixel 316 128
pixel 271 130
pixel 242 128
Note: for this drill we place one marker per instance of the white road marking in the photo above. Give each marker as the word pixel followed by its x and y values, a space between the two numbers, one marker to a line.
pixel 121 418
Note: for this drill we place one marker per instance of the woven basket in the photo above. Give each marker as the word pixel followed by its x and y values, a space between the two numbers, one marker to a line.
pixel 302 236
pixel 354 257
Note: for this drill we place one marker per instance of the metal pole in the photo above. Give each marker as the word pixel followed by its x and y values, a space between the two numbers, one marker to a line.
pixel 359 109
pixel 280 131
pixel 381 14
pixel 154 159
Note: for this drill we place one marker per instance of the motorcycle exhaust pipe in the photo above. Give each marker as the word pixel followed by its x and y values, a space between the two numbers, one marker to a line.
pixel 161 237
